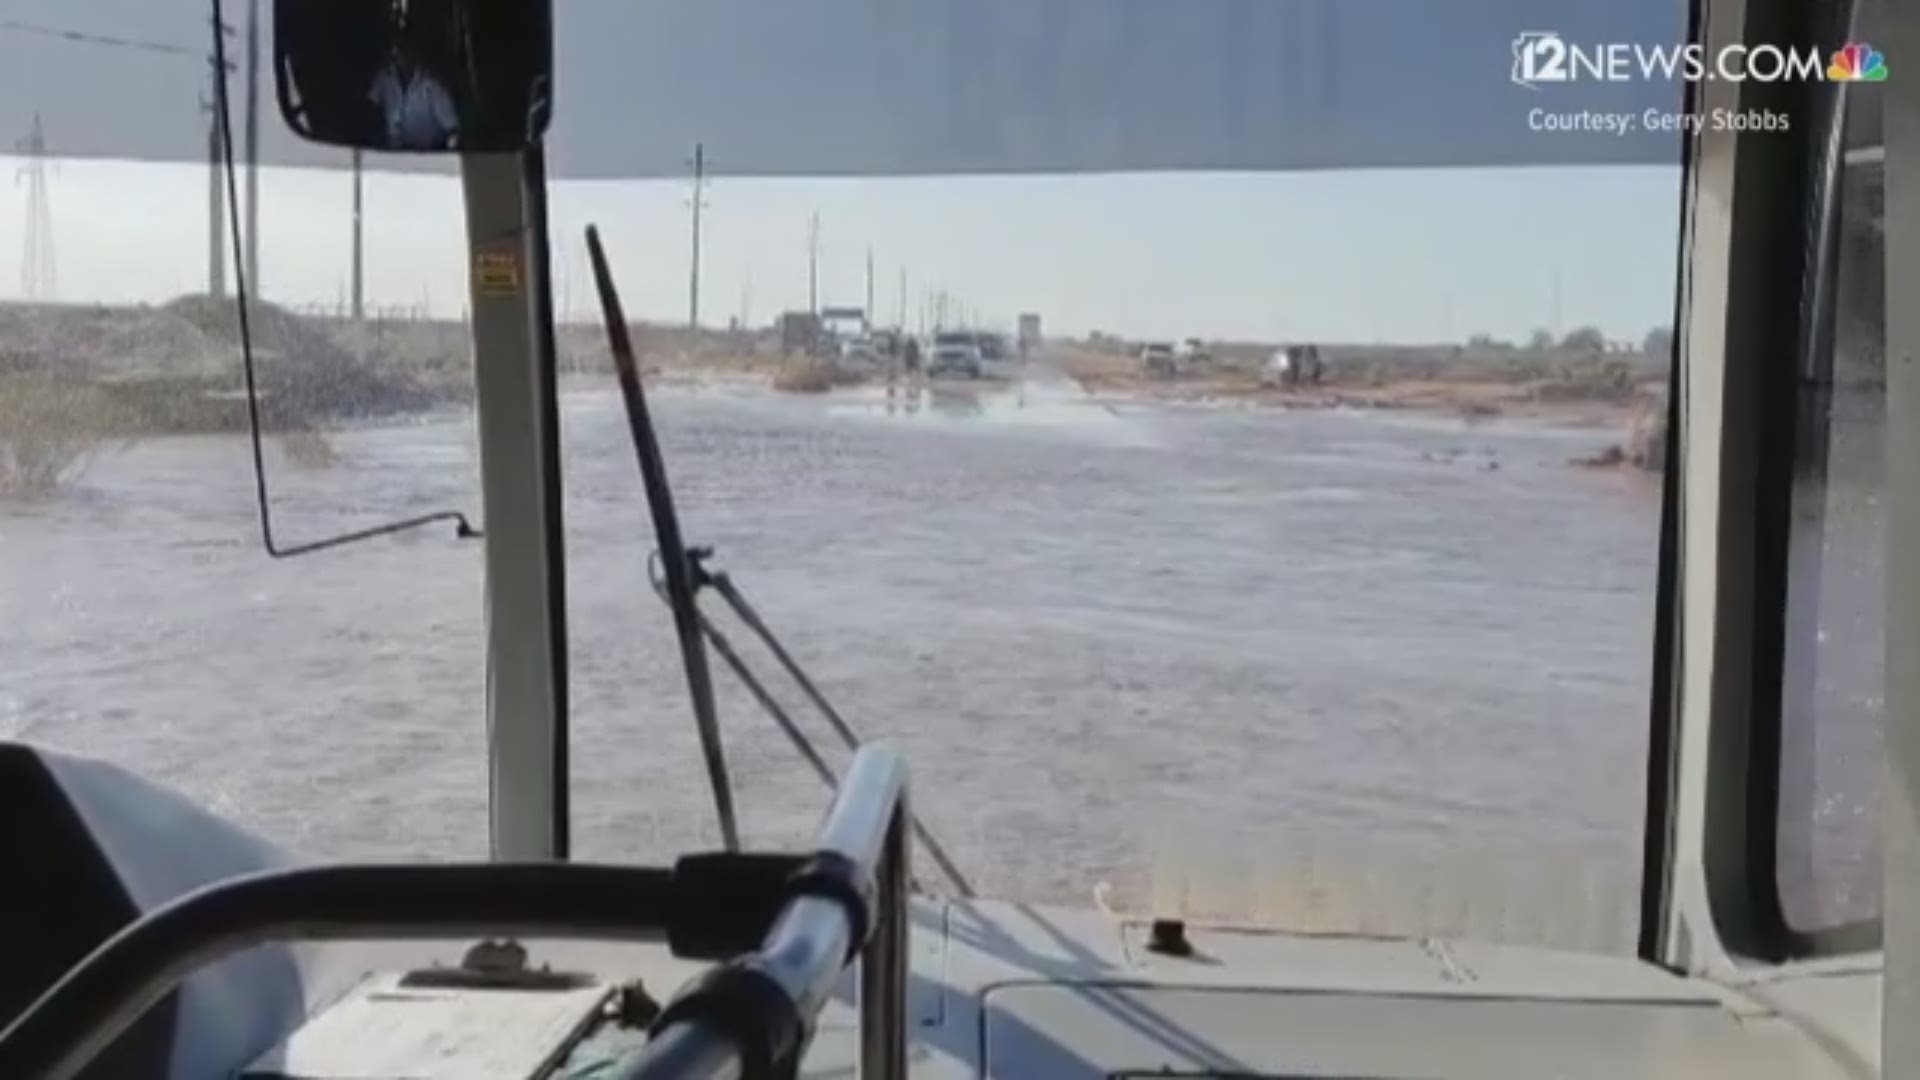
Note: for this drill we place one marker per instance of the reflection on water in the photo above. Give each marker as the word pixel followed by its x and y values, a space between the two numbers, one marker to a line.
pixel 1090 630
pixel 1041 398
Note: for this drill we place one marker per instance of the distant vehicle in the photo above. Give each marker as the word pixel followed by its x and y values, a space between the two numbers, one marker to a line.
pixel 860 350
pixel 1293 366
pixel 844 322
pixel 993 346
pixel 1308 365
pixel 1192 351
pixel 1030 337
pixel 1158 358
pixel 955 351
pixel 1279 369
pixel 800 333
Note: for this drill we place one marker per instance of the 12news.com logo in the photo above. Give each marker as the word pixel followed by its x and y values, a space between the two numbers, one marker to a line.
pixel 1543 56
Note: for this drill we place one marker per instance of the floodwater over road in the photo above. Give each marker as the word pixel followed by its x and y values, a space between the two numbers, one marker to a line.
pixel 1201 656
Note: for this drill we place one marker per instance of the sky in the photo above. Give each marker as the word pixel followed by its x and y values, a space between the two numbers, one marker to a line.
pixel 1030 99
pixel 1402 255
pixel 923 87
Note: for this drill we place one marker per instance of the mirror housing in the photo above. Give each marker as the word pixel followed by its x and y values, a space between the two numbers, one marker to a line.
pixel 415 76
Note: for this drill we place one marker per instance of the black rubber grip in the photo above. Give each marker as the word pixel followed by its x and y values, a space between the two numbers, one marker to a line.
pixel 745 1003
pixel 723 903
pixel 836 877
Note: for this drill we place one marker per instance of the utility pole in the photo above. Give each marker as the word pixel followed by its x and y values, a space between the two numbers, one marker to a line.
pixel 872 315
pixel 359 292
pixel 1558 329
pixel 216 174
pixel 216 199
pixel 813 263
pixel 693 273
pixel 902 298
pixel 253 148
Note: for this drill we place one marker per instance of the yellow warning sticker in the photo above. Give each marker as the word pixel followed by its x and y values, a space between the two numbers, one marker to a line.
pixel 497 273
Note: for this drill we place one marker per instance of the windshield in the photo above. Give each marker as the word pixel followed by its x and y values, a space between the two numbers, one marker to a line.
pixel 1386 626
pixel 1358 645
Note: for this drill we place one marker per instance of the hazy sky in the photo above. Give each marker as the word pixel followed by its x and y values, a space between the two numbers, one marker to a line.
pixel 1402 255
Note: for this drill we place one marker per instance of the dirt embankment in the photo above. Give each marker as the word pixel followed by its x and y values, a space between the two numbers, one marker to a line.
pixel 78 379
pixel 1598 390
pixel 1645 445
pixel 177 367
pixel 1588 390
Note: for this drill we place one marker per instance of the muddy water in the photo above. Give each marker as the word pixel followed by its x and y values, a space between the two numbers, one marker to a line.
pixel 1200 656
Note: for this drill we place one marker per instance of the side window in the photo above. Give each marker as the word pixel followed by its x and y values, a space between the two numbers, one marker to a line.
pixel 1833 700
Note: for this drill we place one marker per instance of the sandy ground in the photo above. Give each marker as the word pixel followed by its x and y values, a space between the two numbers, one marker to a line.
pixel 794 374
pixel 1556 400
pixel 1121 378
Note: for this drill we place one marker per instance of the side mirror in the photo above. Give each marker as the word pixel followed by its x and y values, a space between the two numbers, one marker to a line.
pixel 443 76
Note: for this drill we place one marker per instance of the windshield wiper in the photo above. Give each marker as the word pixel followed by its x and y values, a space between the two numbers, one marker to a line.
pixel 718 581
pixel 683 573
pixel 676 566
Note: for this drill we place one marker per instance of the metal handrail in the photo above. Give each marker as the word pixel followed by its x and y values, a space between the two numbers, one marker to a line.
pixel 101 997
pixel 828 919
pixel 815 936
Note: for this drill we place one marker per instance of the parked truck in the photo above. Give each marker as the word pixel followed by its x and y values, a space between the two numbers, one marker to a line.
pixel 1029 333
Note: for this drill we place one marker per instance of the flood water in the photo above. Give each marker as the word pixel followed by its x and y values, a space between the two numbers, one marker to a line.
pixel 1201 656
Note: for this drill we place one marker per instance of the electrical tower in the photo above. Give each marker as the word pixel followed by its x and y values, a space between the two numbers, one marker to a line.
pixel 37 278
pixel 216 199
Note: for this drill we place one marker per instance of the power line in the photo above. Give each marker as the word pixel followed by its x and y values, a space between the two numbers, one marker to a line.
pixel 85 38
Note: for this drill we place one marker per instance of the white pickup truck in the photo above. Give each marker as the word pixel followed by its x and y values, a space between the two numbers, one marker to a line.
pixel 955 352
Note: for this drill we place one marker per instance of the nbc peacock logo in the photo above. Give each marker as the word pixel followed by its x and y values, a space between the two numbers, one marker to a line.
pixel 1858 62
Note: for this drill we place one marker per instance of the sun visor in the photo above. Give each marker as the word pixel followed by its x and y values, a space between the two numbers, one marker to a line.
pixel 905 87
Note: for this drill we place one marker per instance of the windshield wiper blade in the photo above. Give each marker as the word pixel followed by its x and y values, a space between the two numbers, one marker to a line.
pixel 675 564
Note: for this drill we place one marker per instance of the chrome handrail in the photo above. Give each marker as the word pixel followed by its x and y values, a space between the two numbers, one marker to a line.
pixel 811 942
pixel 845 901
pixel 102 996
